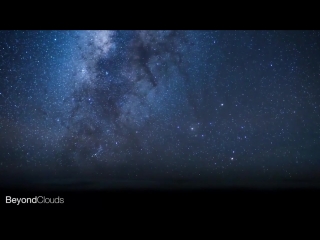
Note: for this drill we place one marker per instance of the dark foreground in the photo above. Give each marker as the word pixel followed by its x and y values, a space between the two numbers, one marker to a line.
pixel 73 184
pixel 148 195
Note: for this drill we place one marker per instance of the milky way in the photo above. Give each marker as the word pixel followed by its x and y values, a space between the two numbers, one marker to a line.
pixel 176 104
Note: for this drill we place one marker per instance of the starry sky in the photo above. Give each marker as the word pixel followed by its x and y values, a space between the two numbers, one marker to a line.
pixel 153 105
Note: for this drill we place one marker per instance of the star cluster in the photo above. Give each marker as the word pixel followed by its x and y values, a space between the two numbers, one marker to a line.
pixel 160 104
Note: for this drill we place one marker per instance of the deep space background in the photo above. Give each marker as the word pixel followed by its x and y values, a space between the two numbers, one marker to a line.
pixel 174 105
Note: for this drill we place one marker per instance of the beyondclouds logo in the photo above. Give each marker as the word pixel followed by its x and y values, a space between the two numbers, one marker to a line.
pixel 34 200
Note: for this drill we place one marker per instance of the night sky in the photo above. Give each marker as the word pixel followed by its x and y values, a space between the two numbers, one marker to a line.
pixel 160 105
